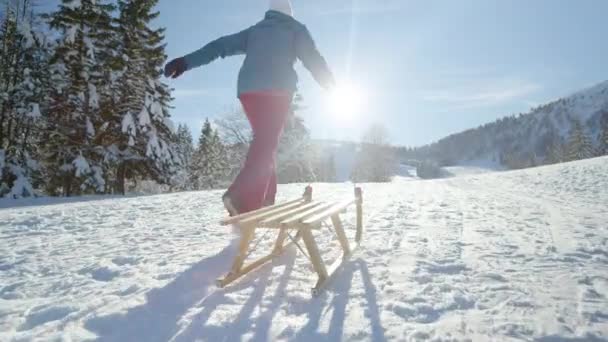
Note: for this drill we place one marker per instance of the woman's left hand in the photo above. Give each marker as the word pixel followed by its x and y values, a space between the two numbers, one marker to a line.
pixel 176 68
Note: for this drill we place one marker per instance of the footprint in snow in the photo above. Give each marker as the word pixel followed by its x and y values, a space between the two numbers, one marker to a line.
pixel 10 292
pixel 494 276
pixel 123 260
pixel 449 269
pixel 594 251
pixel 42 315
pixel 101 273
pixel 104 274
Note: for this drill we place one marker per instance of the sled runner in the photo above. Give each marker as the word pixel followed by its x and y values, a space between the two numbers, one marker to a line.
pixel 301 217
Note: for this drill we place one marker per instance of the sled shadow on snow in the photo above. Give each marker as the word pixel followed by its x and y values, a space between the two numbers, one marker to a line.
pixel 341 288
pixel 159 319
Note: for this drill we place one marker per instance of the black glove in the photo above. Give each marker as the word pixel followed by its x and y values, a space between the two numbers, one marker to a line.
pixel 176 68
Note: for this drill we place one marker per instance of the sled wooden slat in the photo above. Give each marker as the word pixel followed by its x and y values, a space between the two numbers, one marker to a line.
pixel 232 276
pixel 304 216
pixel 296 221
pixel 336 208
pixel 335 219
pixel 315 255
pixel 256 219
pixel 333 270
pixel 273 221
pixel 238 218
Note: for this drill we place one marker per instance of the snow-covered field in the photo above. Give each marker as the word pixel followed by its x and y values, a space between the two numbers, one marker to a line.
pixel 498 256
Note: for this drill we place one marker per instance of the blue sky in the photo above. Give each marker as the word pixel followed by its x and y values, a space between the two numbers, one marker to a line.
pixel 430 68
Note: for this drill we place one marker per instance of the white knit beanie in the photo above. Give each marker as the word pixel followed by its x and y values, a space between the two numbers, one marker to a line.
pixel 283 6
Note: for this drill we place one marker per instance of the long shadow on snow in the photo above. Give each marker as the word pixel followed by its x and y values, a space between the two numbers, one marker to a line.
pixel 341 288
pixel 158 319
pixel 235 329
pixel 587 338
pixel 259 326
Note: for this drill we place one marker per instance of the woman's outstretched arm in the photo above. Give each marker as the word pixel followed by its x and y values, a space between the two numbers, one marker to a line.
pixel 310 56
pixel 234 44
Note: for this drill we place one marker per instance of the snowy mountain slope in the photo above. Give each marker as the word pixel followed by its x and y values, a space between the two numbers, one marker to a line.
pixel 526 140
pixel 586 103
pixel 501 256
pixel 585 106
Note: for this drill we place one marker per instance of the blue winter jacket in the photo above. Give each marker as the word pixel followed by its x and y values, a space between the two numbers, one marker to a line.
pixel 272 47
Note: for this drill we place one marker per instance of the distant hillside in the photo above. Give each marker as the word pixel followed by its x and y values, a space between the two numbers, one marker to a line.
pixel 575 127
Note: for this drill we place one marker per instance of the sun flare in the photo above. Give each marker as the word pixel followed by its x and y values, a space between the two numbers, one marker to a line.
pixel 346 101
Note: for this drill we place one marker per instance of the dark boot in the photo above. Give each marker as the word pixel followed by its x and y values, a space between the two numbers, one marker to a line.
pixel 230 205
pixel 268 202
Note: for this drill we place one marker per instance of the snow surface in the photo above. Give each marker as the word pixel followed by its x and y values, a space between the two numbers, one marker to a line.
pixel 507 256
pixel 472 167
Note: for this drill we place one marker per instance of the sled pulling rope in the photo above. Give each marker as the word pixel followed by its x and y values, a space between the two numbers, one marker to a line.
pixel 302 215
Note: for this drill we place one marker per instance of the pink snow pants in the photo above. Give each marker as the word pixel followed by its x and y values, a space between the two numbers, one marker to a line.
pixel 256 184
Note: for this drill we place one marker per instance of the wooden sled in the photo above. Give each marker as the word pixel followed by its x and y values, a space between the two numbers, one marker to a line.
pixel 301 216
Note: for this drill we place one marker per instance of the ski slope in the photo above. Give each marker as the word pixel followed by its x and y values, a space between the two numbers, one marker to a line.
pixel 499 256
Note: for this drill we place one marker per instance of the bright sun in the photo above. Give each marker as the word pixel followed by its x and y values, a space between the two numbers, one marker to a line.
pixel 346 101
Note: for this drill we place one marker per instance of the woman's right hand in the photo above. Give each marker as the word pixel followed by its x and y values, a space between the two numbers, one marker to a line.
pixel 176 68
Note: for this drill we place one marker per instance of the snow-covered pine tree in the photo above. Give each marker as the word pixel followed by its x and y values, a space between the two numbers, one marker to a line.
pixel 199 158
pixel 147 145
pixel 557 153
pixel 23 88
pixel 579 145
pixel 603 141
pixel 11 48
pixel 222 165
pixel 185 144
pixel 208 163
pixel 185 150
pixel 76 155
